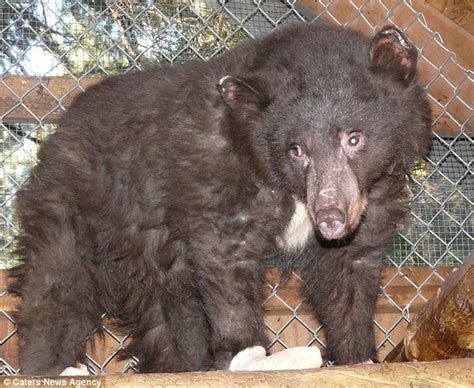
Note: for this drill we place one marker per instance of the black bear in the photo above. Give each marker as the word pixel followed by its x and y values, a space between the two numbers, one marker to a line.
pixel 163 191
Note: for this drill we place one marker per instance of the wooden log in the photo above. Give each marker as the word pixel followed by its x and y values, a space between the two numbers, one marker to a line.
pixel 444 327
pixel 449 373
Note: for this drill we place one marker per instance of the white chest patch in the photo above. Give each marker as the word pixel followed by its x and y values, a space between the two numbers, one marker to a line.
pixel 298 230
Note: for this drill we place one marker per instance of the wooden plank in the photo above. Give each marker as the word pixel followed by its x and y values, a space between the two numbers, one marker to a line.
pixel 460 12
pixel 450 373
pixel 38 99
pixel 454 37
pixel 29 99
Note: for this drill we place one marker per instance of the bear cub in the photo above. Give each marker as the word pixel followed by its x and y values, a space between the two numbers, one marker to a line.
pixel 162 192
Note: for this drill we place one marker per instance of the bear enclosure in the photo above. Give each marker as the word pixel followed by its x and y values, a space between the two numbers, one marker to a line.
pixel 50 50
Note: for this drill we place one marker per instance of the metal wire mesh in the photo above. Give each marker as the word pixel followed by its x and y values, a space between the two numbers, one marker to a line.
pixel 80 39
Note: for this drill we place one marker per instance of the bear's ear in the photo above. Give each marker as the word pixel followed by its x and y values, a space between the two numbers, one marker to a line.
pixel 390 52
pixel 238 94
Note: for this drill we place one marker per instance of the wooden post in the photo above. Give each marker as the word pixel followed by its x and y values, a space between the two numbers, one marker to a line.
pixel 444 327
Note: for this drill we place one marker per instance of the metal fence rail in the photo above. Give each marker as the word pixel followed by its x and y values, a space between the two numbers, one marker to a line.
pixel 85 38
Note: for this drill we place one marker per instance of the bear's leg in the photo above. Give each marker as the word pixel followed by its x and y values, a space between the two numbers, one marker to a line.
pixel 231 293
pixel 172 339
pixel 172 334
pixel 58 308
pixel 343 291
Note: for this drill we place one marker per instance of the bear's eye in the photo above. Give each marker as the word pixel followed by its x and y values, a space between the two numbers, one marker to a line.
pixel 296 151
pixel 354 141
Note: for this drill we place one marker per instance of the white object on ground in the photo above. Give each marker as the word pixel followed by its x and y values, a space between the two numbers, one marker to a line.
pixel 255 358
pixel 72 371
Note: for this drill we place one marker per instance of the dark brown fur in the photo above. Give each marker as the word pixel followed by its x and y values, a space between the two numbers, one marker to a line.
pixel 160 195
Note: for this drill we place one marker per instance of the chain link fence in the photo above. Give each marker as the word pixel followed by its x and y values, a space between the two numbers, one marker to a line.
pixel 50 49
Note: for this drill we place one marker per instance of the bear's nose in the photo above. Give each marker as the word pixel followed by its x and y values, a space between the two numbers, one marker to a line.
pixel 330 223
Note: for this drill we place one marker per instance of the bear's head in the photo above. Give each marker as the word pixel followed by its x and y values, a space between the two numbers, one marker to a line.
pixel 328 131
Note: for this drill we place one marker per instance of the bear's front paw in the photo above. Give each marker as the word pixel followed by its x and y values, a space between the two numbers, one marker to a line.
pixel 255 359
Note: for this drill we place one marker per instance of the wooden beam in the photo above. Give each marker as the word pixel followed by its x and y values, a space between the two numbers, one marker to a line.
pixel 444 327
pixel 454 20
pixel 450 373
pixel 460 12
pixel 38 99
pixel 42 100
